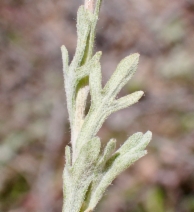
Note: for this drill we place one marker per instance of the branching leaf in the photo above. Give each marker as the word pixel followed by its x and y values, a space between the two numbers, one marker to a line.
pixel 120 164
pixel 89 171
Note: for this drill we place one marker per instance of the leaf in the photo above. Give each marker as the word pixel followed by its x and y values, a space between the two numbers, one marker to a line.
pixel 143 142
pixel 108 151
pixel 130 143
pixel 119 165
pixel 125 101
pixel 84 21
pixel 88 174
pixel 97 8
pixel 93 28
pixel 121 76
pixel 127 154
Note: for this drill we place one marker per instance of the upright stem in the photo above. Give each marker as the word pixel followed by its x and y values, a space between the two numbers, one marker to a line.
pixel 89 170
pixel 81 99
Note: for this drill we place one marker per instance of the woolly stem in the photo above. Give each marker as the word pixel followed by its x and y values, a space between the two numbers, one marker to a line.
pixel 81 98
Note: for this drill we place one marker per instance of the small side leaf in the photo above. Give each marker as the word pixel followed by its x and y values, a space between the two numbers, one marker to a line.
pixel 93 28
pixel 125 101
pixel 121 76
pixel 130 143
pixel 108 151
pixel 97 8
pixel 142 143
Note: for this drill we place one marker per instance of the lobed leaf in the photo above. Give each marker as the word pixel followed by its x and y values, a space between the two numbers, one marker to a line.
pixel 87 178
pixel 121 163
pixel 127 154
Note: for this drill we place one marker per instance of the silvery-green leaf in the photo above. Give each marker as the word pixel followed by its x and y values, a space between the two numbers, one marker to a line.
pixel 130 143
pixel 143 142
pixel 108 151
pixel 93 28
pixel 103 107
pixel 88 172
pixel 125 101
pixel 125 70
pixel 97 8
pixel 120 164
pixel 84 21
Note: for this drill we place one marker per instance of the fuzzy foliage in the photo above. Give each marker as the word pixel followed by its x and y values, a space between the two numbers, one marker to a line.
pixel 89 172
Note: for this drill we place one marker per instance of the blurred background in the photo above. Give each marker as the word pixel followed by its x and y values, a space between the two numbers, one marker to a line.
pixel 34 126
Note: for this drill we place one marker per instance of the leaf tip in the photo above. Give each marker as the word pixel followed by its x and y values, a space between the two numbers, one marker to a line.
pixel 98 55
pixel 63 49
pixel 134 56
pixel 149 134
pixel 140 94
pixel 137 54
